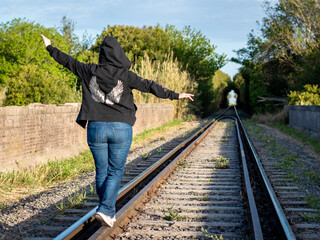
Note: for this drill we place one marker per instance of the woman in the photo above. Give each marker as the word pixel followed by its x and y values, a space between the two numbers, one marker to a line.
pixel 108 111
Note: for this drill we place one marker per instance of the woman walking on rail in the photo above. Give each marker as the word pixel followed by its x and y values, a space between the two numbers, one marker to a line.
pixel 108 111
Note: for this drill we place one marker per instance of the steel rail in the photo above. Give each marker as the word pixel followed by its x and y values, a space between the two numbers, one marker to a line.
pixel 280 214
pixel 255 220
pixel 71 231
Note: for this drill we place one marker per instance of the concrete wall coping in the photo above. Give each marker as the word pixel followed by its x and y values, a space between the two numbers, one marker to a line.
pixel 313 108
pixel 38 108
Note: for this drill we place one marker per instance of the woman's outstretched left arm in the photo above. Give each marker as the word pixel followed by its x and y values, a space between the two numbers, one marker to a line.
pixel 80 69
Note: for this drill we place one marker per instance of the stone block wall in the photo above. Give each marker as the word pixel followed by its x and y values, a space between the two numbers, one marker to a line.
pixel 35 133
pixel 306 118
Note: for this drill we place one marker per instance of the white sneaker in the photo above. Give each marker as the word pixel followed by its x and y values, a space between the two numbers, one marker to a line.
pixel 104 219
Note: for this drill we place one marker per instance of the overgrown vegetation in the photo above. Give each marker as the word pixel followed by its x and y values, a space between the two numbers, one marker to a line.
pixel 220 83
pixel 27 71
pixel 280 117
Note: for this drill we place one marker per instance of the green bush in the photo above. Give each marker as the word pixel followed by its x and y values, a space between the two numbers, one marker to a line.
pixel 26 68
pixel 34 84
pixel 311 96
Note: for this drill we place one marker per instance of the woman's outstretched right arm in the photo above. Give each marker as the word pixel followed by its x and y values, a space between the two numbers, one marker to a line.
pixel 80 69
pixel 146 85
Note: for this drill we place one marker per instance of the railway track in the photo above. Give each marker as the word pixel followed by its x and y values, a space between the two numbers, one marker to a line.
pixel 203 197
pixel 203 191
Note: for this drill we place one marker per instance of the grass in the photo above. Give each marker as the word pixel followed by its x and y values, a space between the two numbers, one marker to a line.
pixel 149 134
pixel 167 72
pixel 280 117
pixel 173 216
pixel 73 201
pixel 146 155
pixel 313 202
pixel 221 162
pixel 16 184
pixel 208 180
pixel 312 175
pixel 288 161
pixel 47 174
pixel 314 143
pixel 225 138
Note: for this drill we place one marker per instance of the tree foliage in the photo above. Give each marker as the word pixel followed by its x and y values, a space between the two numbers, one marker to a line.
pixel 136 41
pixel 286 56
pixel 310 96
pixel 25 65
pixel 196 54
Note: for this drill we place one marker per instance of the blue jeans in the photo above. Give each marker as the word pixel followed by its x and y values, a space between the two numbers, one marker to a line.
pixel 109 143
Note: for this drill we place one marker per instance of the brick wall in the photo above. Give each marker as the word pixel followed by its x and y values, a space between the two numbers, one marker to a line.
pixel 35 133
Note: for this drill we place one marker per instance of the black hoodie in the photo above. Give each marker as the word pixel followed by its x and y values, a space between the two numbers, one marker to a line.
pixel 106 87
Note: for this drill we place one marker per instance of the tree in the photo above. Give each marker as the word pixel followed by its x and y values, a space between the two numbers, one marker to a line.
pixel 196 54
pixel 136 42
pixel 67 31
pixel 286 56
pixel 25 62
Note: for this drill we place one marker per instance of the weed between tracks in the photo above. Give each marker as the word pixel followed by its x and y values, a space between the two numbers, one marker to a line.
pixel 75 200
pixel 221 162
pixel 173 216
pixel 184 164
pixel 211 236
pixel 204 198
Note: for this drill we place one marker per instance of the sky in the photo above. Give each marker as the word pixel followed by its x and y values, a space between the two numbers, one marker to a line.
pixel 226 23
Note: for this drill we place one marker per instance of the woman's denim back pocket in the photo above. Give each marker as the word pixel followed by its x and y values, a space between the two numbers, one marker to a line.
pixel 96 132
pixel 122 134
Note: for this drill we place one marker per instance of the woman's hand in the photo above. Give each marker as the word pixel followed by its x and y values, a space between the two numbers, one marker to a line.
pixel 46 40
pixel 186 95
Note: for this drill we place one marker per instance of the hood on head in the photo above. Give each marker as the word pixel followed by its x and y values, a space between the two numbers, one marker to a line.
pixel 111 53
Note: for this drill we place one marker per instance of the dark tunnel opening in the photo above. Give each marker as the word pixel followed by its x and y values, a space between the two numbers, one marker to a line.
pixel 230 96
